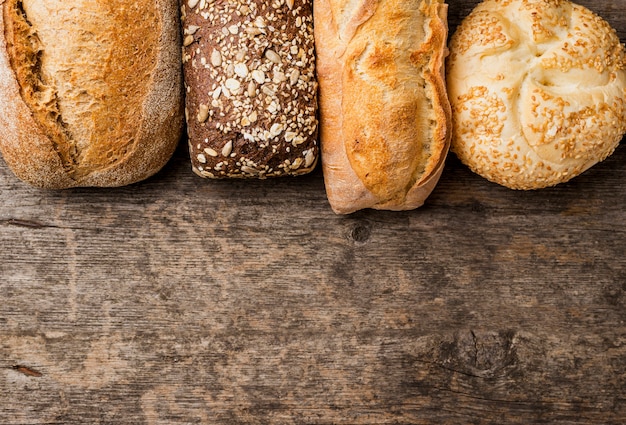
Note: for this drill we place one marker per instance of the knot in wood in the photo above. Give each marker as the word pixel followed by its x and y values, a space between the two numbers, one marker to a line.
pixel 361 232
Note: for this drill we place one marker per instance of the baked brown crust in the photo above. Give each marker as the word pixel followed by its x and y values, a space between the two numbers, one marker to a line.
pixel 383 106
pixel 538 90
pixel 251 102
pixel 91 94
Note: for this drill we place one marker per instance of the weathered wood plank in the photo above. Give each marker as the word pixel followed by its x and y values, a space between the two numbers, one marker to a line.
pixel 180 300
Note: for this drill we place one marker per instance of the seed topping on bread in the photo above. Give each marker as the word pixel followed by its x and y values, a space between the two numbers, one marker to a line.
pixel 538 91
pixel 253 71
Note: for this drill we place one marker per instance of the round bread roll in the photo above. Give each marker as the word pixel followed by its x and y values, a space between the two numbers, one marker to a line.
pixel 90 91
pixel 537 91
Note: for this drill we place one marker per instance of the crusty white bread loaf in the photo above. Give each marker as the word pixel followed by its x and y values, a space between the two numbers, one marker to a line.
pixel 90 90
pixel 538 91
pixel 384 113
pixel 251 102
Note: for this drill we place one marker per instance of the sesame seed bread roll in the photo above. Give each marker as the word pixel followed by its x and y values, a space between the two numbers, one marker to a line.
pixel 90 90
pixel 251 92
pixel 384 113
pixel 537 91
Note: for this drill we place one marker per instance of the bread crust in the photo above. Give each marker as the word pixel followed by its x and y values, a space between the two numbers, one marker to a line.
pixel 251 102
pixel 134 116
pixel 384 112
pixel 538 90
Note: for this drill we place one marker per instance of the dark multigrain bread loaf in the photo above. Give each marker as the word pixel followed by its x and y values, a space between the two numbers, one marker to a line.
pixel 251 102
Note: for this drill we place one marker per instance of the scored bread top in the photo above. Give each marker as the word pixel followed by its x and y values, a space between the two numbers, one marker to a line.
pixel 384 111
pixel 538 90
pixel 86 71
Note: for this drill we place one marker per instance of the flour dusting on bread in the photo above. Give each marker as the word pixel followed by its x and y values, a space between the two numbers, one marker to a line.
pixel 385 119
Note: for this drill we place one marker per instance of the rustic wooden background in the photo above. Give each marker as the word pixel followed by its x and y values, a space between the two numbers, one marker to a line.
pixel 180 300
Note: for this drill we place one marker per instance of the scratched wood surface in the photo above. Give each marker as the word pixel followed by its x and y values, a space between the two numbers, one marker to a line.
pixel 179 301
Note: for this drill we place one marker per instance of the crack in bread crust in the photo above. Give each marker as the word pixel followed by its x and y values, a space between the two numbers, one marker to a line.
pixel 384 109
pixel 84 90
pixel 385 74
pixel 25 54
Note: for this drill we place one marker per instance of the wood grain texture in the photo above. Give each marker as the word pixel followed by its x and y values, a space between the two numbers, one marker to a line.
pixel 180 301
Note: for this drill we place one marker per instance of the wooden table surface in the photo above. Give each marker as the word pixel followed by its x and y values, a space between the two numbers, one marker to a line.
pixel 180 300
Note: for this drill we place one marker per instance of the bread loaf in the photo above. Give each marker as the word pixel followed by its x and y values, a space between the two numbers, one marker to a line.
pixel 384 112
pixel 251 92
pixel 538 91
pixel 90 91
